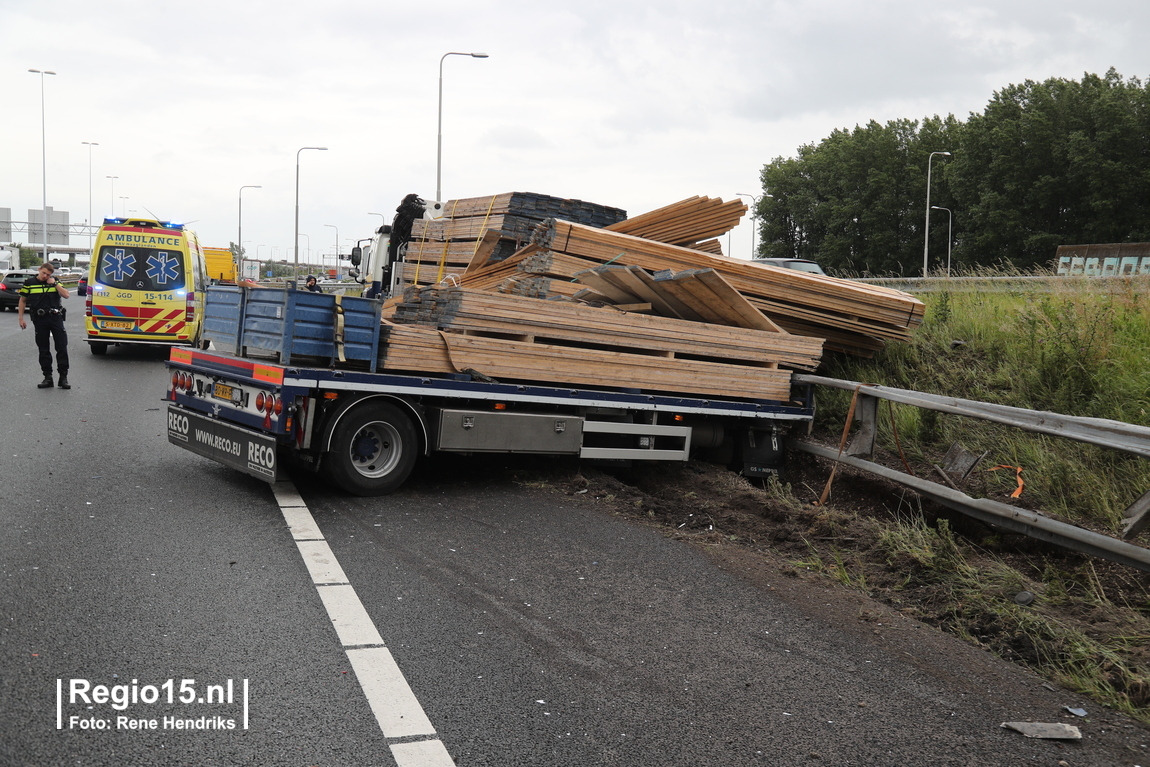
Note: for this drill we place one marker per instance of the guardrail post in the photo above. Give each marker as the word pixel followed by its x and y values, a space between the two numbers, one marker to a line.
pixel 1137 517
pixel 866 414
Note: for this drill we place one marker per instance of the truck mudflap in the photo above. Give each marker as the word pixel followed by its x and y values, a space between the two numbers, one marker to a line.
pixel 241 449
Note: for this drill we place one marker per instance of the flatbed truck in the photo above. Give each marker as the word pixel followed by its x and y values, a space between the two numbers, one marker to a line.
pixel 364 430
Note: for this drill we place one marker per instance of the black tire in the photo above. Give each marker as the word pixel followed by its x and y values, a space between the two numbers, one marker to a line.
pixel 373 450
pixel 98 348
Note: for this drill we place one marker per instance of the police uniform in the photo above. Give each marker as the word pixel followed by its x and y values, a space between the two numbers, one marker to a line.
pixel 42 303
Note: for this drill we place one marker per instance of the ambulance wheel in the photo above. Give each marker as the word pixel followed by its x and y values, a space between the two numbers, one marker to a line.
pixel 373 450
pixel 98 348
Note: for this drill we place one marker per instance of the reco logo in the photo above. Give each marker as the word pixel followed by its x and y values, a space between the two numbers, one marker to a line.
pixel 264 456
pixel 177 423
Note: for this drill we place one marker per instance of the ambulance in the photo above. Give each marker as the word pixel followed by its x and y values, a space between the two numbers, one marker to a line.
pixel 145 285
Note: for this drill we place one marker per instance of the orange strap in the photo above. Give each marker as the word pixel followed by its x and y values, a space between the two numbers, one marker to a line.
pixel 842 446
pixel 1018 475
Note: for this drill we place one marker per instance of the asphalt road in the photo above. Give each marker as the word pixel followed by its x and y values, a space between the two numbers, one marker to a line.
pixel 526 627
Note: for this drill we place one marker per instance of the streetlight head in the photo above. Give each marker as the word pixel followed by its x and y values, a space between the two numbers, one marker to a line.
pixel 946 154
pixel 479 55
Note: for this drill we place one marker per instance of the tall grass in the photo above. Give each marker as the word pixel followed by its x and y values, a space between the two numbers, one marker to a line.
pixel 1078 347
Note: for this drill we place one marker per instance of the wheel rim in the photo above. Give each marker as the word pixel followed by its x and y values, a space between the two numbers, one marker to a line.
pixel 375 449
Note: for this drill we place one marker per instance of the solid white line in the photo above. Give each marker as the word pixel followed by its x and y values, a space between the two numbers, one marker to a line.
pixel 392 701
pixel 424 753
pixel 397 710
pixel 321 562
pixel 59 704
pixel 348 616
pixel 301 523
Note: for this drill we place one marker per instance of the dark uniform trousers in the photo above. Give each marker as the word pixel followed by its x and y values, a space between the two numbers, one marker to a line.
pixel 50 330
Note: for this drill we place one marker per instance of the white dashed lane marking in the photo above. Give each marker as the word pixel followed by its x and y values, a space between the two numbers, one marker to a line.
pixel 396 709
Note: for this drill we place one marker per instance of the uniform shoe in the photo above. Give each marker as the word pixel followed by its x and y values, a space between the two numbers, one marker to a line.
pixel 64 382
pixel 46 383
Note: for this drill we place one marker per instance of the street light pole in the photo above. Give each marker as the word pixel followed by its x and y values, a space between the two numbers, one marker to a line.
pixel 926 226
pixel 439 139
pixel 44 154
pixel 754 218
pixel 240 229
pixel 90 228
pixel 949 234
pixel 318 148
pixel 123 206
pixel 336 228
pixel 382 218
pixel 112 212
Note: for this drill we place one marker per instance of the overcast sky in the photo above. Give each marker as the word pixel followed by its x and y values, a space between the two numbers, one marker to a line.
pixel 625 103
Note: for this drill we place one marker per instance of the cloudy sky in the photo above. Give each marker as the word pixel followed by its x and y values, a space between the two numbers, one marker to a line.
pixel 625 103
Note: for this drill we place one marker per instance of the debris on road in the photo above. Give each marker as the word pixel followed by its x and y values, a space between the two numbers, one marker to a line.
pixel 1045 730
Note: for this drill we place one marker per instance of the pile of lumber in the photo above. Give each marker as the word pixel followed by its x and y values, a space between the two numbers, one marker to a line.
pixel 493 227
pixel 852 317
pixel 692 223
pixel 508 337
pixel 644 303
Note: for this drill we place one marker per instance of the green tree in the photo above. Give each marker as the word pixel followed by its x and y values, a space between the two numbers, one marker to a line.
pixel 1044 164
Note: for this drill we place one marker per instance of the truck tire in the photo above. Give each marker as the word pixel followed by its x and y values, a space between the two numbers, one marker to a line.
pixel 98 347
pixel 373 450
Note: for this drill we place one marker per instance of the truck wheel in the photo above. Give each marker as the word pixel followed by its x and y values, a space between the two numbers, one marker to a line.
pixel 373 450
pixel 98 347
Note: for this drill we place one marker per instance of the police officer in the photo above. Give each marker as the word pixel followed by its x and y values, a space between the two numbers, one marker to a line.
pixel 41 296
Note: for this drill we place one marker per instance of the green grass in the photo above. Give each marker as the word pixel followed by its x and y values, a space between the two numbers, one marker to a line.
pixel 1076 351
pixel 1079 349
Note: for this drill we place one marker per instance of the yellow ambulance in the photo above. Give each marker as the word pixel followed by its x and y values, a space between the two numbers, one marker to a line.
pixel 145 285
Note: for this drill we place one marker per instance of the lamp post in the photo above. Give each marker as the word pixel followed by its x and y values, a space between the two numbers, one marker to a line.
pixel 318 148
pixel 307 250
pixel 439 141
pixel 123 206
pixel 44 153
pixel 90 228
pixel 382 218
pixel 926 226
pixel 240 225
pixel 754 218
pixel 949 234
pixel 112 181
pixel 336 228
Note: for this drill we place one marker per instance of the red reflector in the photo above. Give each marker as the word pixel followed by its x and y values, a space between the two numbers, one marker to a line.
pixel 175 378
pixel 260 401
pixel 279 406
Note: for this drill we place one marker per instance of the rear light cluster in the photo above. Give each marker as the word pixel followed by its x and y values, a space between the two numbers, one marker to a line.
pixel 182 381
pixel 190 307
pixel 269 403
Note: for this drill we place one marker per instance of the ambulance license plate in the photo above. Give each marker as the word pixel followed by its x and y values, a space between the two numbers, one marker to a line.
pixel 118 325
pixel 225 392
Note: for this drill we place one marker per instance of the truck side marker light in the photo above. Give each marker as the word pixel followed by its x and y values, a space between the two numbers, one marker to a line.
pixel 331 395
pixel 500 405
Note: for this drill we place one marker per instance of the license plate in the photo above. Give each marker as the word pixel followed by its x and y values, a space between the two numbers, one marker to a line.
pixel 118 325
pixel 225 392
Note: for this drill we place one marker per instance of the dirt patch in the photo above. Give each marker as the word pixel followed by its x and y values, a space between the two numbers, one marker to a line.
pixel 1084 628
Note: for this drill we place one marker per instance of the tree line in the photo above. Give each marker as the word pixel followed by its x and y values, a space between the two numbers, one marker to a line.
pixel 1045 164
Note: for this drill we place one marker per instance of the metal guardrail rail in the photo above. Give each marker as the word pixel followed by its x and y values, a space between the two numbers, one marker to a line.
pixel 1114 435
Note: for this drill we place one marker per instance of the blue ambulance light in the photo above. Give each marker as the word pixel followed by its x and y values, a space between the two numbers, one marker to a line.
pixel 114 220
pixel 172 225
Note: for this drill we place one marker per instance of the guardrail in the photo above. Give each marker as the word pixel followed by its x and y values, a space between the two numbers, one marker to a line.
pixel 1003 284
pixel 1115 435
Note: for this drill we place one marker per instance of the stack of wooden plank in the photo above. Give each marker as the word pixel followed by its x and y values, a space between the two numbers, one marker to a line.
pixel 507 337
pixel 692 223
pixel 491 227
pixel 643 303
pixel 853 317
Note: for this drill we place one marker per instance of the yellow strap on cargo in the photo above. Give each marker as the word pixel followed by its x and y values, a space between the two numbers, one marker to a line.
pixel 483 228
pixel 446 242
pixel 339 327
